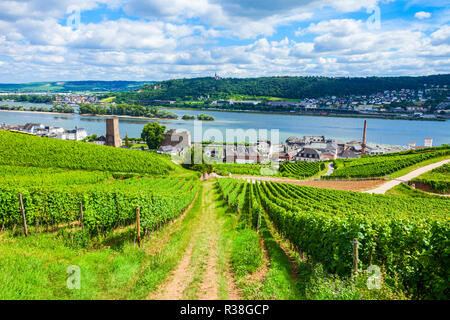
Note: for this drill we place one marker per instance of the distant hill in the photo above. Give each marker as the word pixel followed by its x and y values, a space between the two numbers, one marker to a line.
pixel 73 86
pixel 282 87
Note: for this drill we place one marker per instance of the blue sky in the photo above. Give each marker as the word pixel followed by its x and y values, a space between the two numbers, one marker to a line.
pixel 62 40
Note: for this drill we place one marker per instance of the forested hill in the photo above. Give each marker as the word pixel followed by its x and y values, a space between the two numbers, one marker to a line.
pixel 283 87
pixel 73 86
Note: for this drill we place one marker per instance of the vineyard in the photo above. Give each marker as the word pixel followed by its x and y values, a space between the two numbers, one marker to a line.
pixel 409 237
pixel 224 169
pixel 438 179
pixel 297 170
pixel 56 187
pixel 24 150
pixel 301 169
pixel 382 165
pixel 101 196
pixel 50 199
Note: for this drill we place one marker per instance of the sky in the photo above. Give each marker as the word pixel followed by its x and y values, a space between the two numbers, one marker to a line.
pixel 63 40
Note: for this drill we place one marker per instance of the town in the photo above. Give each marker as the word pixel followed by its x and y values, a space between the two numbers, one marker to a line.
pixel 429 103
pixel 403 103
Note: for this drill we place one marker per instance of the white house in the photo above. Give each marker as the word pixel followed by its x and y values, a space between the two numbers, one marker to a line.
pixel 77 134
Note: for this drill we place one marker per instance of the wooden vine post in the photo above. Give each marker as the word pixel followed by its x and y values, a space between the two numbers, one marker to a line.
pixel 23 215
pixel 81 216
pixel 259 221
pixel 138 224
pixel 355 255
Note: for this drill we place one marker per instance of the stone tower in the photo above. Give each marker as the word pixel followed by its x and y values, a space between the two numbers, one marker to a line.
pixel 112 133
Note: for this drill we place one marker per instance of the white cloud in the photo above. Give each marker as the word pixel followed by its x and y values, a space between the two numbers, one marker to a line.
pixel 441 36
pixel 422 15
pixel 339 28
pixel 19 9
pixel 179 38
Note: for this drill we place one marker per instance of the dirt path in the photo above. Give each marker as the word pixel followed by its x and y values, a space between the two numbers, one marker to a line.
pixel 330 169
pixel 209 288
pixel 197 275
pixel 174 289
pixel 407 177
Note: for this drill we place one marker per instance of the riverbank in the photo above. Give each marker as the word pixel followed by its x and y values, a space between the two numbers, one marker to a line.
pixel 39 112
pixel 329 115
pixel 380 131
pixel 308 114
pixel 123 116
pixel 84 115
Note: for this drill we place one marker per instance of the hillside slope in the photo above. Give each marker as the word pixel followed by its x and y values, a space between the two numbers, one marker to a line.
pixel 73 86
pixel 23 150
pixel 283 87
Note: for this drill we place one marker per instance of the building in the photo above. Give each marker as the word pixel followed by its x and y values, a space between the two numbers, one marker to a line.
pixel 77 134
pixel 265 147
pixel 349 154
pixel 175 141
pixel 354 145
pixel 243 154
pixel 313 139
pixel 100 141
pixel 283 104
pixel 283 157
pixel 309 154
pixel 49 131
pixel 294 145
pixel 32 127
pixel 428 142
pixel 112 133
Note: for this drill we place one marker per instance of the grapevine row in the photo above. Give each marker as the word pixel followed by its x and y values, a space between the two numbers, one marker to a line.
pixel 409 236
pixel 29 151
pixel 106 205
pixel 377 166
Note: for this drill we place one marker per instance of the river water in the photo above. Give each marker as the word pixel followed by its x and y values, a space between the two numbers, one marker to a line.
pixel 384 131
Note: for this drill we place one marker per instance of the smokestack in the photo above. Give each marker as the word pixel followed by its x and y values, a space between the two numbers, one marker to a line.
pixel 363 150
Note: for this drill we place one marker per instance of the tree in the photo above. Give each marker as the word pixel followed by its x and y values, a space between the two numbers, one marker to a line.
pixel 127 141
pixel 153 135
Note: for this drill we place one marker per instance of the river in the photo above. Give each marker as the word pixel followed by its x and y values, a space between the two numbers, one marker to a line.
pixel 384 131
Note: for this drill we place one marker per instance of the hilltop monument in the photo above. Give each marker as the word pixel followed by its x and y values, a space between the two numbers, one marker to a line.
pixel 112 133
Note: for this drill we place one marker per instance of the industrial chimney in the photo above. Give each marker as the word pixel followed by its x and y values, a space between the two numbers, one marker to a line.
pixel 363 149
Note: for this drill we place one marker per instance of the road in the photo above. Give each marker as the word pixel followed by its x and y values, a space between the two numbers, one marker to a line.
pixel 330 169
pixel 407 177
pixel 345 185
